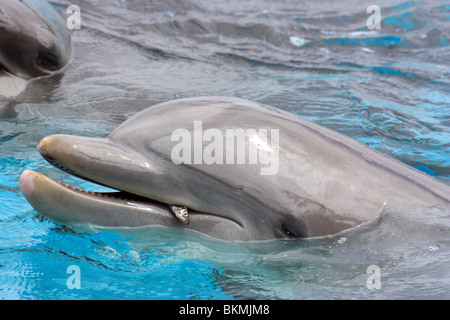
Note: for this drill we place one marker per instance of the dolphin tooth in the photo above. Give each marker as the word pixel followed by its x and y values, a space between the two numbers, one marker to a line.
pixel 181 213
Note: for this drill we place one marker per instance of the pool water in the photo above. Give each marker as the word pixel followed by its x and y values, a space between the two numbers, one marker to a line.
pixel 387 87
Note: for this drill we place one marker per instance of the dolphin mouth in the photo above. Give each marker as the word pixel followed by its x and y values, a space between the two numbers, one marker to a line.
pixel 124 197
pixel 67 204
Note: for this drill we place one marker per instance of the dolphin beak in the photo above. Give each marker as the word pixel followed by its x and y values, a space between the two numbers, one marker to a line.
pixel 68 205
pixel 104 162
pixel 43 145
pixel 27 183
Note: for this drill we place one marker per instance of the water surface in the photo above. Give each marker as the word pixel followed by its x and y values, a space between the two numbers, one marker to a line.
pixel 388 88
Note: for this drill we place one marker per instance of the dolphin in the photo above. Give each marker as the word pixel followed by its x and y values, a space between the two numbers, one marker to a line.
pixel 34 42
pixel 318 182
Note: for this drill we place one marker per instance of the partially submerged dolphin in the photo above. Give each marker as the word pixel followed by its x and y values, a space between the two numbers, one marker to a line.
pixel 320 181
pixel 34 42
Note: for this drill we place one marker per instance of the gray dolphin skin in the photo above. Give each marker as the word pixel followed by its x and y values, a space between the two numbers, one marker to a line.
pixel 34 42
pixel 324 182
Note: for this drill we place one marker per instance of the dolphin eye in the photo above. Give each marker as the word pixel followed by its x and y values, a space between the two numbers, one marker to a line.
pixel 288 232
pixel 47 61
pixel 292 229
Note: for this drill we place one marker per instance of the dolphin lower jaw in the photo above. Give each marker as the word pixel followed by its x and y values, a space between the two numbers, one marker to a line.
pixel 67 204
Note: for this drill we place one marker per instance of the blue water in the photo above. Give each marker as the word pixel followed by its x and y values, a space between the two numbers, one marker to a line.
pixel 388 88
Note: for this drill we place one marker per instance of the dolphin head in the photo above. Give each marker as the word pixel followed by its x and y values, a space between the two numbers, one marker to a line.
pixel 232 202
pixel 147 186
pixel 326 182
pixel 34 40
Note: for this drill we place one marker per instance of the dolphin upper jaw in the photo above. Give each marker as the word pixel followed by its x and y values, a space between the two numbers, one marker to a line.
pixel 106 163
